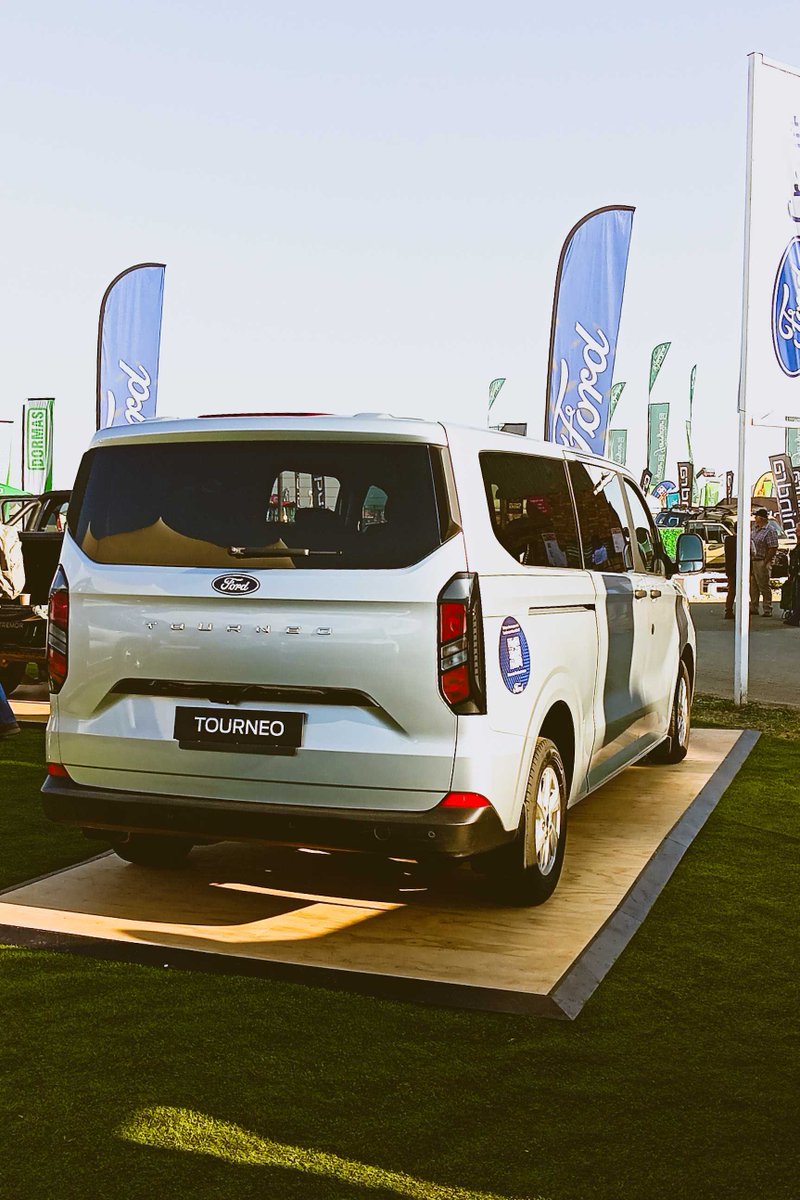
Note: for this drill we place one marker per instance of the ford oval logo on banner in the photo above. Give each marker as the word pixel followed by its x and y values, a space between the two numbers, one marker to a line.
pixel 235 585
pixel 786 310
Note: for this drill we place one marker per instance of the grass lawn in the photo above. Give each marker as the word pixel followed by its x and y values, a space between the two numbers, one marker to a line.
pixel 679 1079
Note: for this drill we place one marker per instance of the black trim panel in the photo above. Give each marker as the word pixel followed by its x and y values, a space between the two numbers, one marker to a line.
pixel 235 693
pixel 546 609
pixel 452 832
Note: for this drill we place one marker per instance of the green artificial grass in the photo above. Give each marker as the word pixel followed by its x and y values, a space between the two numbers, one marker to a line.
pixel 679 1078
pixel 30 845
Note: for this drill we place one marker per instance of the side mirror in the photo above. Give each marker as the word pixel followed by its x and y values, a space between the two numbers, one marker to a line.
pixel 689 554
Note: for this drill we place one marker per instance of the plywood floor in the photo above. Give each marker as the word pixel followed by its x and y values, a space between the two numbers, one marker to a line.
pixel 349 915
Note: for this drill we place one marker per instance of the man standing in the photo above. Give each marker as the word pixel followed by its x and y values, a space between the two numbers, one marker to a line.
pixel 730 571
pixel 763 547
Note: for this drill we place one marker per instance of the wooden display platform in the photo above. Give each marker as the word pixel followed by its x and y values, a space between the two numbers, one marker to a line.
pixel 383 928
pixel 31 712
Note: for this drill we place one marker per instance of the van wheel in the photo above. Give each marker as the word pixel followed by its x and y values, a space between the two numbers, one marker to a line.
pixel 676 745
pixel 150 850
pixel 526 871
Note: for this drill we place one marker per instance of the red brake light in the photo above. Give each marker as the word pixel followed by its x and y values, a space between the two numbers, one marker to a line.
pixel 58 611
pixel 58 770
pixel 452 621
pixel 456 685
pixel 460 630
pixel 464 800
pixel 58 632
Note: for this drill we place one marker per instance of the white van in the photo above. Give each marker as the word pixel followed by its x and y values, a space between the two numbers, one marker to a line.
pixel 359 633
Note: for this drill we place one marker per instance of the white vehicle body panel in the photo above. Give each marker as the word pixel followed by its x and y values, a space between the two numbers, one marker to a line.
pixel 605 659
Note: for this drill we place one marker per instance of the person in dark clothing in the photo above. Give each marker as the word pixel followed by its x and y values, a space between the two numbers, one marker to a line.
pixel 8 722
pixel 793 615
pixel 730 571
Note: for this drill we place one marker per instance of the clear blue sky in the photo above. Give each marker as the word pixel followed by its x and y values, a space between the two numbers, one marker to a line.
pixel 361 205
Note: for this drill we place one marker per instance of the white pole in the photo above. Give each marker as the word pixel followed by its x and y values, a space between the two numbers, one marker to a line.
pixel 742 632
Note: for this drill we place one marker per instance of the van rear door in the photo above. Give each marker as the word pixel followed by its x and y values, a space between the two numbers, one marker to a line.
pixel 256 618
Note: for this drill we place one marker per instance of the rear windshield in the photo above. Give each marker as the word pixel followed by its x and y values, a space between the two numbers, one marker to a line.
pixel 283 504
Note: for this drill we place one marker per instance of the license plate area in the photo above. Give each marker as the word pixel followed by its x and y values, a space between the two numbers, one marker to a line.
pixel 239 731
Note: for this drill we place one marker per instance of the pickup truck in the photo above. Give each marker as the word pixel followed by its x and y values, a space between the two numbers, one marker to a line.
pixel 23 626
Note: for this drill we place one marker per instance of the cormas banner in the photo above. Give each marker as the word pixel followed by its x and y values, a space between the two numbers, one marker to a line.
pixel 657 438
pixel 590 282
pixel 618 446
pixel 784 489
pixel 37 445
pixel 685 483
pixel 128 345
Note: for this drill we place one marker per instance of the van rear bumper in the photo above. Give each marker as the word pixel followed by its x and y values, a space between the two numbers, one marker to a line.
pixel 449 832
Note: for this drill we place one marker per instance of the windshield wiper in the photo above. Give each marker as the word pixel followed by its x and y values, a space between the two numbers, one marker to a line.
pixel 275 552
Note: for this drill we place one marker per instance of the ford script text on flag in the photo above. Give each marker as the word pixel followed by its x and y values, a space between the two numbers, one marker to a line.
pixel 129 342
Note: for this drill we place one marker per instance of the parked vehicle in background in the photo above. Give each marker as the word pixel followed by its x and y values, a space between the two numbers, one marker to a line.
pixel 41 521
pixel 10 505
pixel 361 633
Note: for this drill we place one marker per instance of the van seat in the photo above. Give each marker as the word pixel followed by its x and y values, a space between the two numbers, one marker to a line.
pixel 318 529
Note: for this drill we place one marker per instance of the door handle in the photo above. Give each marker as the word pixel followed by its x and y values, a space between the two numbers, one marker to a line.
pixel 640 593
pixel 654 593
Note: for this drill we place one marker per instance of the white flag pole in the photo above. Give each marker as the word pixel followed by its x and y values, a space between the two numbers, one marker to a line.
pixel 742 639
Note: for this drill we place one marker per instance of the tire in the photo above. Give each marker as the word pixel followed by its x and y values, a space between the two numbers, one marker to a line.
pixel 676 744
pixel 526 871
pixel 11 676
pixel 152 850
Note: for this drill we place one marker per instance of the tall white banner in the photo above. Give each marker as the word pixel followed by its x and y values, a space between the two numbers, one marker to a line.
pixel 769 380
pixel 773 284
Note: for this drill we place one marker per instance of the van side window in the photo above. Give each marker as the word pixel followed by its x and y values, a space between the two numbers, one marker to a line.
pixel 531 509
pixel 373 507
pixel 645 533
pixel 605 532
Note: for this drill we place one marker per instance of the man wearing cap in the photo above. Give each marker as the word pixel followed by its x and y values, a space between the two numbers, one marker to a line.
pixel 763 547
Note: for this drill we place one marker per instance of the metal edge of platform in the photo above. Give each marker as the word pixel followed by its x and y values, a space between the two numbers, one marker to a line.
pixel 382 987
pixel 595 961
pixel 563 1002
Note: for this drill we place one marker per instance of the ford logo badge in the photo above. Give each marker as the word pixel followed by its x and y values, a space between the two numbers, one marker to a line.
pixel 235 585
pixel 786 310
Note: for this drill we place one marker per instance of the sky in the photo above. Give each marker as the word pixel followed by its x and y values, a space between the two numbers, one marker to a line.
pixel 361 206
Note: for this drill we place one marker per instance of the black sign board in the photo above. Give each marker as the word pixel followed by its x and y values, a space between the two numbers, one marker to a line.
pixel 685 483
pixel 786 493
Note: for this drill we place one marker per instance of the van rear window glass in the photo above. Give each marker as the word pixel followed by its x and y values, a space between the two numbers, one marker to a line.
pixel 263 503
pixel 531 509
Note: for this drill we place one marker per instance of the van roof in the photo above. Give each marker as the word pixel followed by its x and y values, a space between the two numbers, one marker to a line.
pixel 361 426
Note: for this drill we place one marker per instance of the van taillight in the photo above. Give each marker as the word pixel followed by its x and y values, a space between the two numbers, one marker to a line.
pixel 57 631
pixel 461 669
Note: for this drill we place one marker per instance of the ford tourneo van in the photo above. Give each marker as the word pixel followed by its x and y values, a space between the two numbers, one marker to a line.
pixel 360 633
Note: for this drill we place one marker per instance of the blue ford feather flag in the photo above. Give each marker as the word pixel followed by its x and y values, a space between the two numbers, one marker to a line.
pixel 128 344
pixel 583 338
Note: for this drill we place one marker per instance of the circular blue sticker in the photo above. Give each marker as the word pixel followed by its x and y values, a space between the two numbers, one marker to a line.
pixel 515 657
